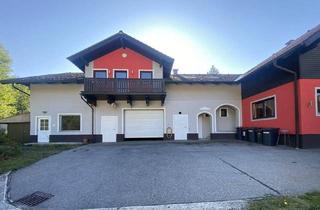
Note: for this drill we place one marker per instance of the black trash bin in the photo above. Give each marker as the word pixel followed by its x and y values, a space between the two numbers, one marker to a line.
pixel 270 136
pixel 252 134
pixel 259 136
pixel 244 133
pixel 239 133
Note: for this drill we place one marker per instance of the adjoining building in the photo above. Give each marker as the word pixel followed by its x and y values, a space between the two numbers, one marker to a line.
pixel 17 127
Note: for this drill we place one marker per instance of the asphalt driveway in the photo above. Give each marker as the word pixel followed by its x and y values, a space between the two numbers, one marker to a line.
pixel 142 173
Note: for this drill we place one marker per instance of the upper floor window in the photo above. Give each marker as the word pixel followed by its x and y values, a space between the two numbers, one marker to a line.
pixel 318 101
pixel 145 74
pixel 264 109
pixel 120 74
pixel 100 74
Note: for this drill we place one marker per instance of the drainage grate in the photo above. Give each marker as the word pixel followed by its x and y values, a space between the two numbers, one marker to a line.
pixel 33 199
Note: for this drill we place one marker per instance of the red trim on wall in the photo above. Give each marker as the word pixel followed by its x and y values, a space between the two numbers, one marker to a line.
pixel 284 109
pixel 115 60
pixel 310 122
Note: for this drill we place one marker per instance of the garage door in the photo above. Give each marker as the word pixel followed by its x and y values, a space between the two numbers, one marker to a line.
pixel 143 123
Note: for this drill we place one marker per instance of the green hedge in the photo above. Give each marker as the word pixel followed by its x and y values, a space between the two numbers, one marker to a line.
pixel 8 148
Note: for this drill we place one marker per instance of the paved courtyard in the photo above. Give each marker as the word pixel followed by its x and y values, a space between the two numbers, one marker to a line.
pixel 152 173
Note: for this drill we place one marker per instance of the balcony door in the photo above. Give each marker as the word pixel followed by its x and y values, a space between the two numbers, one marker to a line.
pixel 120 74
pixel 146 80
pixel 121 84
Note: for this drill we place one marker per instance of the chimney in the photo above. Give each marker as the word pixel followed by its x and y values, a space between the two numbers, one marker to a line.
pixel 175 71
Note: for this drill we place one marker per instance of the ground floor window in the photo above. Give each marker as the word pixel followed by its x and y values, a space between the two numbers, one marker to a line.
pixel 70 122
pixel 318 101
pixel 223 112
pixel 263 109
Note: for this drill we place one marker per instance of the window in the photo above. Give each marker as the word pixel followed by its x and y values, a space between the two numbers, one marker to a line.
pixel 318 100
pixel 100 74
pixel 120 74
pixel 223 112
pixel 264 109
pixel 44 124
pixel 145 74
pixel 69 122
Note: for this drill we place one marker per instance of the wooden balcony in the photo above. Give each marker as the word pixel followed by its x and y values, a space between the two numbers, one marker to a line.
pixel 124 89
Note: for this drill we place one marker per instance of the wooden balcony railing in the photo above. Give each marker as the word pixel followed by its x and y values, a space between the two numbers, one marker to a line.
pixel 123 86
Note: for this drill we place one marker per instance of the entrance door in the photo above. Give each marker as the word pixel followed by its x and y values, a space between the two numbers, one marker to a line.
pixel 180 126
pixel 43 129
pixel 109 128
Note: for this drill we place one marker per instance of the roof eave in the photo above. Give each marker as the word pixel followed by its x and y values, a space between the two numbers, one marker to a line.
pixel 85 56
pixel 268 62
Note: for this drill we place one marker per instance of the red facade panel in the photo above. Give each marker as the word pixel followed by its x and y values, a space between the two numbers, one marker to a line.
pixel 123 59
pixel 310 122
pixel 284 109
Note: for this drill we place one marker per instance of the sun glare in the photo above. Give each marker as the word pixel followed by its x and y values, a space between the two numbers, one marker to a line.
pixel 190 56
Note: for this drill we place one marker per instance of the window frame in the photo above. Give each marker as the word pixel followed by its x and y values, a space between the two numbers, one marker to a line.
pixel 146 70
pixel 100 70
pixel 226 112
pixel 121 70
pixel 68 114
pixel 317 106
pixel 260 100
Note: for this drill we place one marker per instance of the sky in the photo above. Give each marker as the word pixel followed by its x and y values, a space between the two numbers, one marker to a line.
pixel 232 35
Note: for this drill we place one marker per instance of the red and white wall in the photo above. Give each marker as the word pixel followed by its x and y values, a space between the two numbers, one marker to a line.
pixel 310 121
pixel 124 59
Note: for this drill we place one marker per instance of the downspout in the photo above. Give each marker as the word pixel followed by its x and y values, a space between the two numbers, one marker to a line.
pixel 296 100
pixel 15 87
pixel 92 115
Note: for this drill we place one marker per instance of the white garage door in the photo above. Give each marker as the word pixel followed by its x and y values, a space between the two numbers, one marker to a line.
pixel 143 123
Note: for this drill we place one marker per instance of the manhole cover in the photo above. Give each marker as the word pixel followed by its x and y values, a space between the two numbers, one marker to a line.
pixel 33 199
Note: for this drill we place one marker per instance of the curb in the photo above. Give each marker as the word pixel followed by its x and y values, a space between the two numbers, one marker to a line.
pixel 5 201
pixel 217 205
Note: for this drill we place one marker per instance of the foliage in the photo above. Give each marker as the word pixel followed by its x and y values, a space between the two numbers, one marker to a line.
pixel 29 154
pixel 307 201
pixel 12 101
pixel 8 148
pixel 213 70
pixel 3 137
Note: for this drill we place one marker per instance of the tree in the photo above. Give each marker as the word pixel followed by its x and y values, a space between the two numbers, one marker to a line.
pixel 213 70
pixel 11 101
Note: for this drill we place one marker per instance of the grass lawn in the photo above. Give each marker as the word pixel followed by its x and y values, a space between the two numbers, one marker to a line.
pixel 309 201
pixel 29 154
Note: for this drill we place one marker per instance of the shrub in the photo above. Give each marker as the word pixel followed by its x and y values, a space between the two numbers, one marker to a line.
pixel 3 137
pixel 8 148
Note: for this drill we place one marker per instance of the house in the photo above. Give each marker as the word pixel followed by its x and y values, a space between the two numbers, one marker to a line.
pixel 284 91
pixel 127 90
pixel 17 127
